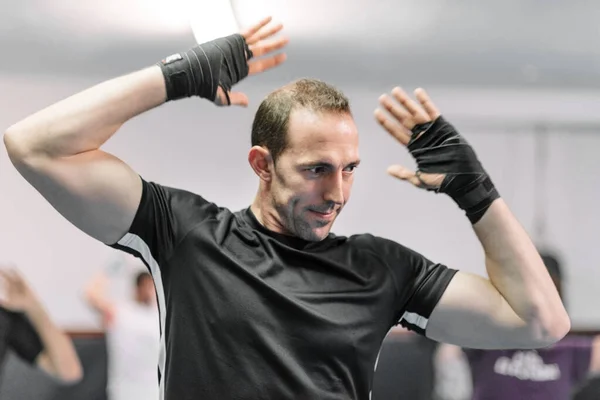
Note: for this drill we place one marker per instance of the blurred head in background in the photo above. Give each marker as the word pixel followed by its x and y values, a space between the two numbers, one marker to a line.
pixel 144 289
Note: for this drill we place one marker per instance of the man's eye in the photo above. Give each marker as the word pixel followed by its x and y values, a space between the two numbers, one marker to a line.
pixel 317 170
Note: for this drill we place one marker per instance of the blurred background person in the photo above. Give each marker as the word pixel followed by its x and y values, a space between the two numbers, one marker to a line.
pixel 132 333
pixel 27 330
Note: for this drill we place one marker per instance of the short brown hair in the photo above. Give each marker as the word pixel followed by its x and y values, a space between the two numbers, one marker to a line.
pixel 270 125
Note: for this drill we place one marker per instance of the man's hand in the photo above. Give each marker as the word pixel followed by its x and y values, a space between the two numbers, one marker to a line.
pixel 16 294
pixel 261 43
pixel 407 115
pixel 209 70
pixel 446 162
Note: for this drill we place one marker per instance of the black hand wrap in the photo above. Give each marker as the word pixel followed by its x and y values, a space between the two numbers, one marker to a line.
pixel 438 148
pixel 202 69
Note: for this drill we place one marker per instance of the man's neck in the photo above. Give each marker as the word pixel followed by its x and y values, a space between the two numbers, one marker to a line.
pixel 267 216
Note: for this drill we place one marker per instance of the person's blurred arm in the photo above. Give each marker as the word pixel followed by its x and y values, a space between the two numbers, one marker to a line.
pixel 95 296
pixel 595 357
pixel 452 374
pixel 33 335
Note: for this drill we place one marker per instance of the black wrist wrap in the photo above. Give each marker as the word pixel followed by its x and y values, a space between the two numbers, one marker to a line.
pixel 202 69
pixel 438 148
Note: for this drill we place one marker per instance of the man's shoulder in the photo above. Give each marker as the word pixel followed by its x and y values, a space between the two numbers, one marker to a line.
pixel 172 191
pixel 378 244
pixel 182 201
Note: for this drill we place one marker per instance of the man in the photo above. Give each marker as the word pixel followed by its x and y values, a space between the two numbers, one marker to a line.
pixel 26 329
pixel 551 373
pixel 266 303
pixel 132 337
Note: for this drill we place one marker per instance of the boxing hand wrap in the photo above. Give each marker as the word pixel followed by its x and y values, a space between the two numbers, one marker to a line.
pixel 202 69
pixel 438 148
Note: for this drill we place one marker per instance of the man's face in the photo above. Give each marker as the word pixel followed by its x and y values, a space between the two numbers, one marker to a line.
pixel 313 176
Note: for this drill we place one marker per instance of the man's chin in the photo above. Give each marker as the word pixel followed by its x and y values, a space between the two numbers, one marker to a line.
pixel 314 230
pixel 320 233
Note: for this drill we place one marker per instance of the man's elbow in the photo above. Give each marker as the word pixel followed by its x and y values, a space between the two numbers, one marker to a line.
pixel 551 332
pixel 561 326
pixel 15 146
pixel 10 142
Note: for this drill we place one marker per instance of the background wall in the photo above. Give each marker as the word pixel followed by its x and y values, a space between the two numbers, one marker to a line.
pixel 193 145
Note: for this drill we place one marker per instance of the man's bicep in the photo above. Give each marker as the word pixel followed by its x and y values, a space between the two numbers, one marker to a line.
pixel 472 313
pixel 95 191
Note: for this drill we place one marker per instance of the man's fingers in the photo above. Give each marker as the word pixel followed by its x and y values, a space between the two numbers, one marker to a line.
pixel 431 180
pixel 238 99
pixel 260 49
pixel 396 110
pixel 264 33
pixel 396 130
pixel 251 31
pixel 398 171
pixel 258 66
pixel 407 102
pixel 427 104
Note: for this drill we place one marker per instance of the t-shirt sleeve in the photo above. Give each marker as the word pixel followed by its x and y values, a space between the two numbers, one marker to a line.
pixel 165 215
pixel 23 338
pixel 420 283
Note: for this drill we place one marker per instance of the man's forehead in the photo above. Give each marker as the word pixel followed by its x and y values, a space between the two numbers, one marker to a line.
pixel 314 131
pixel 324 154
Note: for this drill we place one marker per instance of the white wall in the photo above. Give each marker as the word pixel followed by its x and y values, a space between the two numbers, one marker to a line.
pixel 196 146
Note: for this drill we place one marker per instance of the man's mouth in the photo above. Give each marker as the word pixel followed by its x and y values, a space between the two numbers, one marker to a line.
pixel 324 214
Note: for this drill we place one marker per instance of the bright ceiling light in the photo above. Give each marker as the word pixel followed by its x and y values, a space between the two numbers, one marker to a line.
pixel 360 20
pixel 208 19
pixel 211 19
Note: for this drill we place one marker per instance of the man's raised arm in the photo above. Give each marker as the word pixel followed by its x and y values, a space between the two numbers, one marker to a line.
pixel 519 305
pixel 57 150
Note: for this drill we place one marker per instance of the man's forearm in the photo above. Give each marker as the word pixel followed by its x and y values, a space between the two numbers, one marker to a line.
pixel 85 121
pixel 62 357
pixel 516 269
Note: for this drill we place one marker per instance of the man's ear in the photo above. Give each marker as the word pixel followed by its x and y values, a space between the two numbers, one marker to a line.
pixel 261 162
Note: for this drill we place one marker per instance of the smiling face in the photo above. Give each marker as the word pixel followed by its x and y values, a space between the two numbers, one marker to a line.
pixel 312 178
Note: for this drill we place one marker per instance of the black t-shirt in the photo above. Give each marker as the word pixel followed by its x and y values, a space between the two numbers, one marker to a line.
pixel 17 334
pixel 247 313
